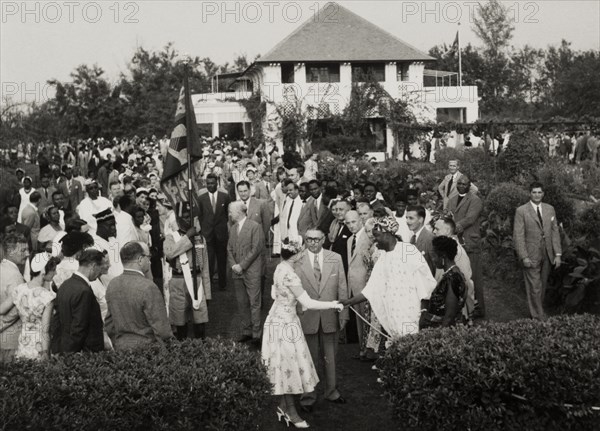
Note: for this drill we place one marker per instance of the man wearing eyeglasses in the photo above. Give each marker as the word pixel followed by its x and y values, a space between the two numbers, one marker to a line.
pixel 322 274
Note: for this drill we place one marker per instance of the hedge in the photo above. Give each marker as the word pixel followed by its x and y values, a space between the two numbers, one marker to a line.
pixel 500 376
pixel 193 385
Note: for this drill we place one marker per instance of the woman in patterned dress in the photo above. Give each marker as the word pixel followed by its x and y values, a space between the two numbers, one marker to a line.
pixel 34 302
pixel 284 349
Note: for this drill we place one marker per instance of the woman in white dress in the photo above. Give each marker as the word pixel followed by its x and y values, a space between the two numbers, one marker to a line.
pixel 34 302
pixel 400 280
pixel 278 196
pixel 24 192
pixel 284 349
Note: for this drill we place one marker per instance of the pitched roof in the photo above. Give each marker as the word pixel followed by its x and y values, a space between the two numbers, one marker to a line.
pixel 341 35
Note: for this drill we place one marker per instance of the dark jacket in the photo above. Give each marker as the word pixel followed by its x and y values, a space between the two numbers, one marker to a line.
pixel 79 318
pixel 214 223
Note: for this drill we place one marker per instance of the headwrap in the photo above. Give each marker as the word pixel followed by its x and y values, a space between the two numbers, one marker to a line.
pixel 104 216
pixel 39 261
pixel 387 224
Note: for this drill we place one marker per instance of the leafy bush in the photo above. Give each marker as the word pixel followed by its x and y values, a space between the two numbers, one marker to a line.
pixel 211 385
pixel 478 165
pixel 9 187
pixel 522 157
pixel 522 375
pixel 587 226
pixel 504 199
pixel 560 183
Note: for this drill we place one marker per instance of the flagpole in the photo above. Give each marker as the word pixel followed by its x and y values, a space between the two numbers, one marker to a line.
pixel 188 117
pixel 459 59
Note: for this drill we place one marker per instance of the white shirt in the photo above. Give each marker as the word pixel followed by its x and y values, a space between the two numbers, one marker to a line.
pixel 213 198
pixel 417 233
pixel 535 207
pixel 88 207
pixel 311 257
pixel 125 228
pixel 403 230
pixel 318 202
pixel 241 224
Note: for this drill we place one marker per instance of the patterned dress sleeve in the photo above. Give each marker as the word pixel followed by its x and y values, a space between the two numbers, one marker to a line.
pixel 293 283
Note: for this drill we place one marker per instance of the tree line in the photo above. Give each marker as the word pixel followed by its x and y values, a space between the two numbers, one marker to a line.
pixel 514 84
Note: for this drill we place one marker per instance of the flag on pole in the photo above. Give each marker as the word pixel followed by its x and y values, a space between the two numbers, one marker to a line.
pixel 184 140
pixel 454 47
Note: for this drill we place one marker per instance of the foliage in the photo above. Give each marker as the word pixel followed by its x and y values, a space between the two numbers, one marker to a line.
pixel 476 163
pixel 9 187
pixel 211 385
pixel 257 110
pixel 586 227
pixel 560 184
pixel 524 374
pixel 524 154
pixel 575 288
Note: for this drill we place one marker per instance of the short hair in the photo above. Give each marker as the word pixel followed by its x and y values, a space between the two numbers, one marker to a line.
pixel 317 182
pixel 419 209
pixel 412 192
pixel 44 175
pixel 315 229
pixel 287 182
pixel 304 184
pixel 125 202
pixel 454 160
pixel 445 247
pixel 449 221
pixel 364 205
pixel 114 183
pixel 74 242
pixel 265 173
pixel 344 201
pixel 212 177
pixel 370 183
pixel 238 205
pixel 91 256
pixel 35 197
pixel 243 183
pixel 57 192
pixel 11 241
pixel 358 187
pixel 131 251
pixel 536 185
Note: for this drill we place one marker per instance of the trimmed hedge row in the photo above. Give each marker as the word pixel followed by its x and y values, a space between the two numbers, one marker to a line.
pixel 500 376
pixel 193 385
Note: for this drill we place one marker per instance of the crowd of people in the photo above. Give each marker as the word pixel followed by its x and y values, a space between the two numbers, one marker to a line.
pixel 98 257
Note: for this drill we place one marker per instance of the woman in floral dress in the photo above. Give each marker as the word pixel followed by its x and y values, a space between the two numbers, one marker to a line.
pixel 34 301
pixel 284 349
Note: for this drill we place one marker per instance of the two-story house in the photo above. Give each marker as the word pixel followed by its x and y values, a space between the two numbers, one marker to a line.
pixel 316 66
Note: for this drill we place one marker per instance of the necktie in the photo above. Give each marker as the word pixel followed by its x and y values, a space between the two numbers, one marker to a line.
pixel 353 246
pixel 540 216
pixel 450 185
pixel 413 240
pixel 317 268
pixel 290 215
pixel 212 202
pixel 46 193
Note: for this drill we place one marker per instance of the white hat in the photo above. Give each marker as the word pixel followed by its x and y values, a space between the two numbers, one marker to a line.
pixel 39 261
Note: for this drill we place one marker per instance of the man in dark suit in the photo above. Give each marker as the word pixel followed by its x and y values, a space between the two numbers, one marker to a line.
pixel 71 189
pixel 466 208
pixel 305 220
pixel 321 215
pixel 339 233
pixel 421 237
pixel 212 213
pixel 320 272
pixel 244 250
pixel 537 242
pixel 77 310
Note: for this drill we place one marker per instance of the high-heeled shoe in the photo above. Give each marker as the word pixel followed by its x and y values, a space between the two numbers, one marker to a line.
pixel 302 424
pixel 280 414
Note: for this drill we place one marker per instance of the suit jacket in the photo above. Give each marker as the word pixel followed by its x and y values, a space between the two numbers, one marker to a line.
pixel 331 288
pixel 137 314
pixel 305 220
pixel 323 217
pixel 260 190
pixel 79 317
pixel 73 196
pixel 466 215
pixel 245 248
pixel 447 194
pixel 357 268
pixel 426 247
pixel 340 245
pixel 258 211
pixel 530 239
pixel 214 223
pixel 31 219
pixel 45 202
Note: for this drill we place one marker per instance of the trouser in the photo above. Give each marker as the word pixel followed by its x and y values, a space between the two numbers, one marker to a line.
pixel 361 326
pixel 217 255
pixel 536 280
pixel 248 294
pixel 322 346
pixel 477 278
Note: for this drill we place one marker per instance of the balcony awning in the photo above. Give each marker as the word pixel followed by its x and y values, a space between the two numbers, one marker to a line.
pixel 438 73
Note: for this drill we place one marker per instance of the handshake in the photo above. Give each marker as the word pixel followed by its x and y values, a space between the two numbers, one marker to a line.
pixel 340 305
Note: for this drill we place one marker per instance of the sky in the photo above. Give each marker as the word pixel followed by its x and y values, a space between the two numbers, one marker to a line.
pixel 48 40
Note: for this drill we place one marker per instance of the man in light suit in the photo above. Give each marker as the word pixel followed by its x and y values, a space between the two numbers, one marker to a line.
pixel 339 233
pixel 447 187
pixel 212 213
pixel 31 218
pixel 305 220
pixel 358 245
pixel 466 208
pixel 322 275
pixel 257 209
pixel 421 237
pixel 537 242
pixel 244 251
pixel 71 189
pixel 45 191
